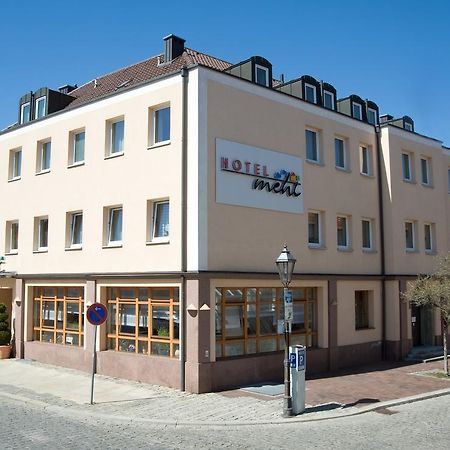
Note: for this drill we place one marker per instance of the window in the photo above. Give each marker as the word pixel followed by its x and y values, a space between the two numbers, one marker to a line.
pixel 340 153
pixel 357 111
pixel 365 160
pixel 363 308
pixel 312 145
pixel 261 75
pixel 25 113
pixel 114 228
pixel 342 233
pixel 161 125
pixel 367 243
pixel 249 320
pixel 75 229
pixel 115 137
pixel 372 116
pixel 448 180
pixel 144 320
pixel 58 315
pixel 425 171
pixel 310 93
pixel 408 126
pixel 15 164
pixel 76 147
pixel 410 236
pixel 314 229
pixel 12 237
pixel 429 233
pixel 43 159
pixel 328 99
pixel 39 110
pixel 406 167
pixel 160 221
pixel 41 234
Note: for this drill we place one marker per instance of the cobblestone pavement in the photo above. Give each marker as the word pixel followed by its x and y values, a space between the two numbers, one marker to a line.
pixel 29 425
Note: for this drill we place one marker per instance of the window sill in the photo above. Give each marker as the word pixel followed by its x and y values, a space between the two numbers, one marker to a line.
pixel 365 329
pixel 314 162
pixel 12 253
pixel 156 242
pixel 316 247
pixel 409 181
pixel 114 155
pixel 71 249
pixel 345 249
pixel 366 175
pixel 42 172
pixel 10 180
pixel 118 245
pixel 430 252
pixel 343 169
pixel 41 250
pixel 412 250
pixel 159 144
pixel 428 185
pixel 369 250
pixel 77 164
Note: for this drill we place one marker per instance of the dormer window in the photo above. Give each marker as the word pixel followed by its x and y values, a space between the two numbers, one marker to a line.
pixel 408 126
pixel 261 75
pixel 39 107
pixel 328 99
pixel 357 111
pixel 310 93
pixel 25 113
pixel 372 116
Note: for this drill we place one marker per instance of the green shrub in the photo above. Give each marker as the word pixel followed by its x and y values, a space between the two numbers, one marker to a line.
pixel 5 333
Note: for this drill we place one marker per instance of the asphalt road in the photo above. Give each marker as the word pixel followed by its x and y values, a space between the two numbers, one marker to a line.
pixel 420 425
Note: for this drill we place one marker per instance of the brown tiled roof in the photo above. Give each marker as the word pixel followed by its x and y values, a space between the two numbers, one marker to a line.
pixel 139 73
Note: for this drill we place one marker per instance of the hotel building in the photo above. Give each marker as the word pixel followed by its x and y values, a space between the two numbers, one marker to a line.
pixel 165 190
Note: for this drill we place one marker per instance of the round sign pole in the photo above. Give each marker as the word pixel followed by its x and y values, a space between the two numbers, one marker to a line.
pixel 96 315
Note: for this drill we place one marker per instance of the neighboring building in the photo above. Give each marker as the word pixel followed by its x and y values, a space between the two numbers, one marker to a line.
pixel 166 190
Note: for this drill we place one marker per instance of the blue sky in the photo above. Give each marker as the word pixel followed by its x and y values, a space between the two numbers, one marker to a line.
pixel 394 53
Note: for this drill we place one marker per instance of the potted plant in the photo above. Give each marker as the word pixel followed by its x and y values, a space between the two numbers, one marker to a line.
pixel 5 333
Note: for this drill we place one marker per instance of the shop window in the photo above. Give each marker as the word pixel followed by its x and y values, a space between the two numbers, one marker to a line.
pixel 144 320
pixel 15 164
pixel 250 320
pixel 363 310
pixel 58 315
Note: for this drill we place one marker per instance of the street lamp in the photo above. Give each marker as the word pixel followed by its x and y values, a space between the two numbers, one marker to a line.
pixel 285 265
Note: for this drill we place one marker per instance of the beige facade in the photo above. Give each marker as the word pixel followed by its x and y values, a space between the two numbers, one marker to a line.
pixel 200 308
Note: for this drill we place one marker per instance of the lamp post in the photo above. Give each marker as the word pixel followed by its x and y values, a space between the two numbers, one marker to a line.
pixel 285 265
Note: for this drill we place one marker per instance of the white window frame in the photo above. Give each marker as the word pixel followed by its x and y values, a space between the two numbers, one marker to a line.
pixel 109 242
pixel 72 143
pixel 347 245
pixel 40 221
pixel 21 112
pixel 154 210
pixel 431 227
pixel 331 94
pixel 153 141
pixel 344 153
pixel 36 106
pixel 314 89
pixel 110 140
pixel 40 157
pixel 72 220
pixel 10 249
pixel 365 149
pixel 374 111
pixel 359 107
pixel 319 215
pixel 427 172
pixel 409 156
pixel 413 235
pixel 316 134
pixel 265 69
pixel 15 173
pixel 408 126
pixel 371 246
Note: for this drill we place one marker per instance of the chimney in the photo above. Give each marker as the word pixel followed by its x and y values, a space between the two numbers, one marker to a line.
pixel 174 47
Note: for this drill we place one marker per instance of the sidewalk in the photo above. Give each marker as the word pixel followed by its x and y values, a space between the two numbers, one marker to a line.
pixel 331 396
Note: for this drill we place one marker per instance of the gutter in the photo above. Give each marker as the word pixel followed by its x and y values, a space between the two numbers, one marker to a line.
pixel 184 148
pixel 382 244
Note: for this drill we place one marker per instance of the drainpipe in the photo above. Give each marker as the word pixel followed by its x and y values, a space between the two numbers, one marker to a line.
pixel 184 143
pixel 382 246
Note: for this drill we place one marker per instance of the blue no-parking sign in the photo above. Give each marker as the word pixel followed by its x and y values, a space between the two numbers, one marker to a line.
pixel 96 314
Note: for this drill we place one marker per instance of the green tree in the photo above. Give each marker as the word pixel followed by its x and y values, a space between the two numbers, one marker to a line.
pixel 434 290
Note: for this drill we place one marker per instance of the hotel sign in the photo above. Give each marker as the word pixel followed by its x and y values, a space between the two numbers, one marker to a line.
pixel 258 178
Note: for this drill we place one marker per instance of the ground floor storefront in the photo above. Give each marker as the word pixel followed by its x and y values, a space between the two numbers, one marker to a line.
pixel 212 331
